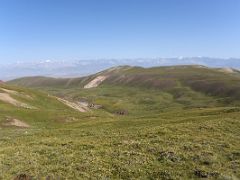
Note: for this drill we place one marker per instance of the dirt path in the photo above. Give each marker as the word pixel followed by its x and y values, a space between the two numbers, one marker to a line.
pixel 95 82
pixel 78 107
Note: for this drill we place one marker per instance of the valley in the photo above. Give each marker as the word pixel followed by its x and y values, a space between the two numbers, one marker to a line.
pixel 173 122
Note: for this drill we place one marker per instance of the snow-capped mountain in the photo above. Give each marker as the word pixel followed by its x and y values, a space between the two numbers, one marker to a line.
pixel 85 67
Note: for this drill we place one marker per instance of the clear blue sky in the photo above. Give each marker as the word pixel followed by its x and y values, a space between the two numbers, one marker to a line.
pixel 84 29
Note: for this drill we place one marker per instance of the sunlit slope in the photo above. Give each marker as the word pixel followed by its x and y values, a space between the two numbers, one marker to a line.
pixel 216 82
pixel 213 82
pixel 40 81
pixel 179 122
pixel 189 136
pixel 34 108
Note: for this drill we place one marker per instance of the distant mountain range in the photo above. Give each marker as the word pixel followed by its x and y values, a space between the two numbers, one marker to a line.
pixel 78 68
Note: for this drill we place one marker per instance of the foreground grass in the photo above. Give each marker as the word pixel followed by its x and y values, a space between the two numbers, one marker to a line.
pixel 162 137
pixel 192 147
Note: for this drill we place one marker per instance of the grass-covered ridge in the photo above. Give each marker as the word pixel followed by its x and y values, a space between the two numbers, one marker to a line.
pixel 211 81
pixel 175 131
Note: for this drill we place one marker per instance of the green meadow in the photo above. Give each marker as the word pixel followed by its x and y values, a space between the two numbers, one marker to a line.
pixel 144 128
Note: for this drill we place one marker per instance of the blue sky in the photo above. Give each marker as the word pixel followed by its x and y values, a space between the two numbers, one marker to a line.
pixel 33 30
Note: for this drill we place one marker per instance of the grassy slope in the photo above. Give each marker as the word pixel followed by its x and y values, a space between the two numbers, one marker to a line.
pixel 40 81
pixel 48 111
pixel 214 82
pixel 169 133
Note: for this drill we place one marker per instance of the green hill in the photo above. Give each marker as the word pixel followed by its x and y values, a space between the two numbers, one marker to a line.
pixel 210 81
pixel 40 81
pixel 32 107
pixel 178 122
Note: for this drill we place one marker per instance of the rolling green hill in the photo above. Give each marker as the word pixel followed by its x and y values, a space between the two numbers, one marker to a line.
pixel 32 107
pixel 178 122
pixel 220 82
pixel 40 81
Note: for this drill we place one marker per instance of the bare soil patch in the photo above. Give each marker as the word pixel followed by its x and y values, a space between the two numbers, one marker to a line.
pixel 95 82
pixel 8 99
pixel 15 122
pixel 226 70
pixel 16 93
pixel 76 106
